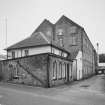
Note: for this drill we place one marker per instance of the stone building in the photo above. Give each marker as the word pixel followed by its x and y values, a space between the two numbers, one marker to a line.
pixel 75 40
pixel 53 54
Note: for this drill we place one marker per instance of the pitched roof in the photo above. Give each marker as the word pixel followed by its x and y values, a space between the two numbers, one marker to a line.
pixel 35 40
pixel 45 21
pixel 66 19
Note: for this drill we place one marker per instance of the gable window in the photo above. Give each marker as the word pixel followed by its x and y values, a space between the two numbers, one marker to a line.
pixel 61 42
pixel 72 30
pixel 73 39
pixel 26 52
pixel 13 54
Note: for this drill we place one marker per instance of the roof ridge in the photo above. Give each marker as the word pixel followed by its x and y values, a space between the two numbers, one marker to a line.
pixel 69 20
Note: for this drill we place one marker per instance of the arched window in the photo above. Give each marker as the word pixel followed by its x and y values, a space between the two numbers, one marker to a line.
pixel 60 70
pixel 54 70
pixel 64 70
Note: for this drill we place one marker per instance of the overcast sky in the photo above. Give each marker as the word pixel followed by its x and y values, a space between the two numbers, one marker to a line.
pixel 24 16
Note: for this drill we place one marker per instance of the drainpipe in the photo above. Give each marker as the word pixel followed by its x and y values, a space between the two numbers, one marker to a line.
pixel 97 54
pixel 82 52
pixel 48 67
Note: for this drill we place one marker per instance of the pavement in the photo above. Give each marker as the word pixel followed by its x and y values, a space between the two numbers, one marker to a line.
pixel 86 92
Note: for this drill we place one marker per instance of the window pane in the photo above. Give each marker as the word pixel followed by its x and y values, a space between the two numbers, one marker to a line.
pixel 63 71
pixel 60 70
pixel 13 54
pixel 26 52
pixel 73 40
pixel 54 70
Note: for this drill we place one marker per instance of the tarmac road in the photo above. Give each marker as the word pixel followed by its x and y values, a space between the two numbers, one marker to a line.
pixel 87 92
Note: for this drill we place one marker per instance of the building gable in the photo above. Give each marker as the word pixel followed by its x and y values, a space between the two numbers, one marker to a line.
pixel 45 27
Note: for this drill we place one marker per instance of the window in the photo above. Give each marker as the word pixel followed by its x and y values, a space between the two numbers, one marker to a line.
pixel 53 50
pixel 73 40
pixel 60 52
pixel 54 70
pixel 61 42
pixel 73 29
pixel 13 54
pixel 64 71
pixel 26 52
pixel 60 71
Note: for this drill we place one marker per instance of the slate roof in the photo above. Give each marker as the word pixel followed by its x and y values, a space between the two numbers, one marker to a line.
pixel 34 41
pixel 31 41
pixel 40 39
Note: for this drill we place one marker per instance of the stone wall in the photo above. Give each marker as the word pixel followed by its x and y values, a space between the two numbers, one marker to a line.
pixel 60 70
pixel 71 35
pixel 30 70
pixel 88 57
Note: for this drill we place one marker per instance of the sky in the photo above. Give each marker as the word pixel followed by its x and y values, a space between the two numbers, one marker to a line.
pixel 24 16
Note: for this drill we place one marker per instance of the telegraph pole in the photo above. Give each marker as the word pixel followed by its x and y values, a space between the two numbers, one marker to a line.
pixel 97 53
pixel 6 36
pixel 6 32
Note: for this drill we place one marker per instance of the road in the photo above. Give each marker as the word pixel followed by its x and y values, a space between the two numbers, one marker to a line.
pixel 87 92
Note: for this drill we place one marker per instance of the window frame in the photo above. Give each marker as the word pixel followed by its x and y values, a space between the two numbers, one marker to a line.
pixel 13 54
pixel 54 74
pixel 73 39
pixel 60 71
pixel 26 52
